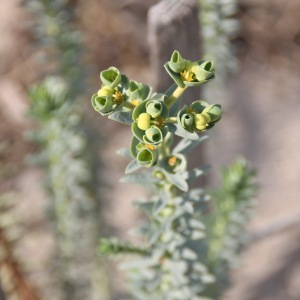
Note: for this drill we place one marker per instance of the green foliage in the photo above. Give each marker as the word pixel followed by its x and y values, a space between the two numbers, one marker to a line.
pixel 219 26
pixel 113 247
pixel 231 208
pixel 57 40
pixel 67 153
pixel 74 206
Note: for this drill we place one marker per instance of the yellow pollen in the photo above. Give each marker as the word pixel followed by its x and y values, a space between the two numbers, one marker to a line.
pixel 190 111
pixel 118 97
pixel 186 76
pixel 159 122
pixel 151 147
pixel 135 102
pixel 172 161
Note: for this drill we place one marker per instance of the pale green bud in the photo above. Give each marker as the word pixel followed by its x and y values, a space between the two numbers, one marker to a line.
pixel 153 135
pixel 144 121
pixel 187 121
pixel 154 108
pixel 105 91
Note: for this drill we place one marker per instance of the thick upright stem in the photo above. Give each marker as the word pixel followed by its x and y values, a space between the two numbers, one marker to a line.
pixel 129 105
pixel 176 94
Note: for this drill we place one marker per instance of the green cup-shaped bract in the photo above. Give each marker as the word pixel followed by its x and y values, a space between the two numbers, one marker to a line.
pixel 187 73
pixel 135 147
pixel 153 135
pixel 215 112
pixel 147 157
pixel 187 121
pixel 154 108
pixel 174 163
pixel 103 105
pixel 177 63
pixel 198 106
pixel 138 91
pixel 204 71
pixel 110 77
pixel 142 108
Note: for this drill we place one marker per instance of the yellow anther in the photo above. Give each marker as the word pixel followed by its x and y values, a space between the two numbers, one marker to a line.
pixel 186 76
pixel 118 97
pixel 201 121
pixel 151 147
pixel 135 102
pixel 172 161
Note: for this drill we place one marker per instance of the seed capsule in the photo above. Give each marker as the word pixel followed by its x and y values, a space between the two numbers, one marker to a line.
pixel 144 121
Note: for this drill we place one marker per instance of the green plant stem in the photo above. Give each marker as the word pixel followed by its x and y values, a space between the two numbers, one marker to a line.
pixel 176 94
pixel 129 105
pixel 164 149
pixel 171 120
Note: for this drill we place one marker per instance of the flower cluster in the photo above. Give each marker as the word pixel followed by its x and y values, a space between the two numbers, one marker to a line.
pixel 149 113
pixel 187 73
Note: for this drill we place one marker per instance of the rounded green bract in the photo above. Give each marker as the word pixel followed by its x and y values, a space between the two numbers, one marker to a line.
pixel 110 77
pixel 153 135
pixel 147 157
pixel 154 108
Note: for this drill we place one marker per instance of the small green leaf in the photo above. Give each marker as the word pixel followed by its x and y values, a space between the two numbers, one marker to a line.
pixel 176 77
pixel 180 131
pixel 121 116
pixel 125 152
pixel 141 178
pixel 178 181
pixel 186 145
pixel 159 205
pixel 197 172
pixel 132 166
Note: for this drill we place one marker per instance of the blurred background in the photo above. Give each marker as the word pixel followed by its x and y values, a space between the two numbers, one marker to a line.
pixel 255 45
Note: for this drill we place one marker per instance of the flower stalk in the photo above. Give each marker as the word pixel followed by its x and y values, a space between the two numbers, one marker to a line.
pixel 176 94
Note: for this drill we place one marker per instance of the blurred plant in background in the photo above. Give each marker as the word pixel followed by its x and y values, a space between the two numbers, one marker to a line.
pixel 218 27
pixel 231 208
pixel 67 152
pixel 13 280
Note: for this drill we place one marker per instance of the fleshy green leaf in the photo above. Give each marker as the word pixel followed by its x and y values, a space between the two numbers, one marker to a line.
pixel 125 152
pixel 176 77
pixel 195 173
pixel 178 181
pixel 132 166
pixel 180 131
pixel 141 178
pixel 186 145
pixel 121 116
